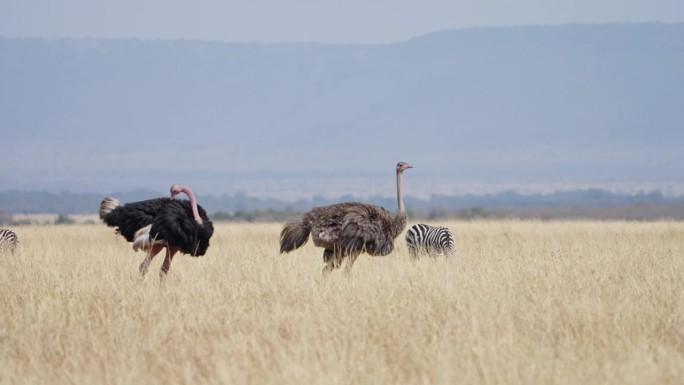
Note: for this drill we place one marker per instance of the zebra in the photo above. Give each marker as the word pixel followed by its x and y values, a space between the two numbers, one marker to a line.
pixel 433 240
pixel 8 240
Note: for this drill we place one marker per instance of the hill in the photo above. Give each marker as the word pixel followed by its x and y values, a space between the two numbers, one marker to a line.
pixel 572 105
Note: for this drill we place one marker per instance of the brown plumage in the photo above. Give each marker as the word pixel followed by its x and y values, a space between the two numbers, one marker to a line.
pixel 347 229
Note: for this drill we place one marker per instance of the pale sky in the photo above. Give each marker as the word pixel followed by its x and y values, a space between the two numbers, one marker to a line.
pixel 324 21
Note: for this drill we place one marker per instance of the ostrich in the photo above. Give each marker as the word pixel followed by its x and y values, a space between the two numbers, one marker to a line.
pixel 347 229
pixel 155 224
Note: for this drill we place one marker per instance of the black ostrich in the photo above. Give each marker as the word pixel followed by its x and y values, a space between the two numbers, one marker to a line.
pixel 154 224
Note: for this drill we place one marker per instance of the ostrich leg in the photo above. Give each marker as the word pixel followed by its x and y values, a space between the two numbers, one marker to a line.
pixel 328 255
pixel 170 252
pixel 332 259
pixel 151 252
pixel 352 258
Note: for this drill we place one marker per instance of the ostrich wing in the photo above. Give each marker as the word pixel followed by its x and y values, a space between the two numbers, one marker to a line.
pixel 133 216
pixel 326 223
pixel 366 228
pixel 175 224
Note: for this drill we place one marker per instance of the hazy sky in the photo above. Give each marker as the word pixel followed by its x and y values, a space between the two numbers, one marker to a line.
pixel 326 21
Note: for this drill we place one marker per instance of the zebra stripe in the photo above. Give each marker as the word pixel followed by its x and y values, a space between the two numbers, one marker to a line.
pixel 426 239
pixel 8 240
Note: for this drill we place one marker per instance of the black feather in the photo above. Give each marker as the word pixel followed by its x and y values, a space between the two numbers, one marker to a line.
pixel 175 225
pixel 131 217
pixel 171 219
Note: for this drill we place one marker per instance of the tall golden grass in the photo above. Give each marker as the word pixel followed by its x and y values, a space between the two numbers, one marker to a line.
pixel 523 302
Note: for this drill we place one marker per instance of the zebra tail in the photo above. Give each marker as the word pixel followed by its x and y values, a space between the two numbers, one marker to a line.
pixel 451 245
pixel 294 234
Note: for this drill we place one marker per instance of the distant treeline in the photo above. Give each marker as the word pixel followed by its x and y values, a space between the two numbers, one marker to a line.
pixel 592 203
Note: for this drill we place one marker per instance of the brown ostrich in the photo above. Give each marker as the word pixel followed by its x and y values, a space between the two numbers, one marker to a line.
pixel 347 229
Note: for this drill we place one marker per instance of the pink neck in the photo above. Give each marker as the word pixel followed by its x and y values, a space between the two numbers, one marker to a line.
pixel 193 204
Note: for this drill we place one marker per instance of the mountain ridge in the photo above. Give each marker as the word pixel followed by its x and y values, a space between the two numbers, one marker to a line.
pixel 546 104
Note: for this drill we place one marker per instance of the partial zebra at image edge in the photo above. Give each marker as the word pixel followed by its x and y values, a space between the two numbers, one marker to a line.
pixel 9 240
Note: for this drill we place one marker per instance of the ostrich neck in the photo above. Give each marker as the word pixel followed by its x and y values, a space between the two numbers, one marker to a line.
pixel 400 198
pixel 401 218
pixel 193 204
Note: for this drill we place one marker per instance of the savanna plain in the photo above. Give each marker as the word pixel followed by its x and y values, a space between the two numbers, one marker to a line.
pixel 522 302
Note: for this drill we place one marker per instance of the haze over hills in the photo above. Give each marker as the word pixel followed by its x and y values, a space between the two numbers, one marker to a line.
pixel 532 108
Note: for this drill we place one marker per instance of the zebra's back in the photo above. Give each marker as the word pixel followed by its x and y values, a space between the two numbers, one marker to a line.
pixel 432 240
pixel 8 240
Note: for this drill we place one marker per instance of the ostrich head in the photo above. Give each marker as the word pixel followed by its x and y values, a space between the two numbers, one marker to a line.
pixel 401 166
pixel 175 190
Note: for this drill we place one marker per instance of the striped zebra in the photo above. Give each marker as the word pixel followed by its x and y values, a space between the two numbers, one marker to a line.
pixel 432 240
pixel 8 240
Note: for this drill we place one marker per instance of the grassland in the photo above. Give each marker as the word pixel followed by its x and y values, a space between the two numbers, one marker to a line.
pixel 523 302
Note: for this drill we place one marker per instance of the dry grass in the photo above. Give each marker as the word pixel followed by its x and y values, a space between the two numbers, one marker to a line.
pixel 522 303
